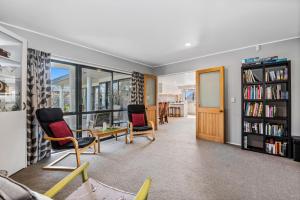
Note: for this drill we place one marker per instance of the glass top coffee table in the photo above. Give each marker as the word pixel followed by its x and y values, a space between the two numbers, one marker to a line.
pixel 110 132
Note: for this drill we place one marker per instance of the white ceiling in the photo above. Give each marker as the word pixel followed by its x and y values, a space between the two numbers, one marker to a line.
pixel 154 31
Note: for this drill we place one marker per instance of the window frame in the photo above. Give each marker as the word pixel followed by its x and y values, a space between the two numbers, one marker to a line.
pixel 78 92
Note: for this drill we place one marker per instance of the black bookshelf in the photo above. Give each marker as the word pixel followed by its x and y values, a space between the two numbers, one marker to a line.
pixel 257 139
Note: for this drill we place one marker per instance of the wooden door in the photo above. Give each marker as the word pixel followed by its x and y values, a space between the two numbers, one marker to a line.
pixel 210 104
pixel 150 97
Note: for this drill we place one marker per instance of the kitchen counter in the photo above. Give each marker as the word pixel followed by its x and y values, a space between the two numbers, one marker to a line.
pixel 183 108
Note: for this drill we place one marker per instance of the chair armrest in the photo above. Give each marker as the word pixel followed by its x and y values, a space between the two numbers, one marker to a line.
pixel 151 123
pixel 144 190
pixel 68 179
pixel 64 138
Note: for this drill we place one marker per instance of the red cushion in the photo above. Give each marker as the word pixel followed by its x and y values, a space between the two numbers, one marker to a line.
pixel 60 129
pixel 138 119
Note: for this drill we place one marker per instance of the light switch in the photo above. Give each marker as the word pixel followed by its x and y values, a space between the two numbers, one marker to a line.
pixel 233 100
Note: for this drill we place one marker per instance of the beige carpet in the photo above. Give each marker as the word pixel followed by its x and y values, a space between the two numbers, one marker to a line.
pixel 181 168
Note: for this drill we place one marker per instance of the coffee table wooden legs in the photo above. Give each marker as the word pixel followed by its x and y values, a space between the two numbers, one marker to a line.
pixel 116 136
pixel 98 141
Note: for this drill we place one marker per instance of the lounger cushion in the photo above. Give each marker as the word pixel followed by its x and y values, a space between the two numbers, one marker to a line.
pixel 60 129
pixel 82 142
pixel 138 119
pixel 142 128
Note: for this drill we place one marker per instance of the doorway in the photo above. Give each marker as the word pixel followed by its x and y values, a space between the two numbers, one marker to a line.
pixel 199 96
pixel 210 104
pixel 176 92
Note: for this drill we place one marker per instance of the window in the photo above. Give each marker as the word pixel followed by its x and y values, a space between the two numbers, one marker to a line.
pixel 96 84
pixel 90 96
pixel 189 95
pixel 121 90
pixel 63 86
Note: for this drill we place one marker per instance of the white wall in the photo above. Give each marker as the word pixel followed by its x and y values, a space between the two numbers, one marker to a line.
pixel 232 63
pixel 76 53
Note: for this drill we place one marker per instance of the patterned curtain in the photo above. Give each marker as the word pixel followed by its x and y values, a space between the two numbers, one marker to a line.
pixel 137 88
pixel 38 96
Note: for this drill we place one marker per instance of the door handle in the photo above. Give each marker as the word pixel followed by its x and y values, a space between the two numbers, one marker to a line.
pixel 221 111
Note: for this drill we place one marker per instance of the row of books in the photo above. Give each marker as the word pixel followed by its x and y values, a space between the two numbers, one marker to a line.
pixel 253 92
pixel 271 111
pixel 275 130
pixel 257 60
pixel 253 109
pixel 276 92
pixel 253 127
pixel 276 75
pixel 276 147
pixel 249 77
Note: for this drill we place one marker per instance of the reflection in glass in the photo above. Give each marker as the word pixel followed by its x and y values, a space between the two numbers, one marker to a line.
pixel 120 118
pixel 96 89
pixel 71 121
pixel 96 120
pixel 10 73
pixel 121 91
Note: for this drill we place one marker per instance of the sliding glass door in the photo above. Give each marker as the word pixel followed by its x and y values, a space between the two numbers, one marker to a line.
pixel 90 96
pixel 96 101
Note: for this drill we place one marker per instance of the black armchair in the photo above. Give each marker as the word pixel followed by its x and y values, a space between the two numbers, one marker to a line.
pixel 48 116
pixel 145 130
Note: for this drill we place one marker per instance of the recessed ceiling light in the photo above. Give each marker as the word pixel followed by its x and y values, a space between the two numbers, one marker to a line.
pixel 187 44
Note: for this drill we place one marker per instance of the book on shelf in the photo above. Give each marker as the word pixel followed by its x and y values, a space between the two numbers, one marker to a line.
pixel 253 109
pixel 270 110
pixel 251 60
pixel 250 77
pixel 256 128
pixel 253 92
pixel 276 75
pixel 267 60
pixel 274 92
pixel 276 147
pixel 275 130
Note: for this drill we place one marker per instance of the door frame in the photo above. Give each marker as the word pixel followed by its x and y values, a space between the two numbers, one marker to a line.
pixel 222 99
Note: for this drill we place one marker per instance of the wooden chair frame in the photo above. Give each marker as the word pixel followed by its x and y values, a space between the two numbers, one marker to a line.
pixel 141 195
pixel 141 133
pixel 78 151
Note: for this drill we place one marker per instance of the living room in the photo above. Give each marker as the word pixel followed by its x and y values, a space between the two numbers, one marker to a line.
pixel 149 99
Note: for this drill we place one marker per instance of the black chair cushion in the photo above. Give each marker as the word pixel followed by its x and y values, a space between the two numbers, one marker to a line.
pixel 49 115
pixel 82 142
pixel 136 109
pixel 142 128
